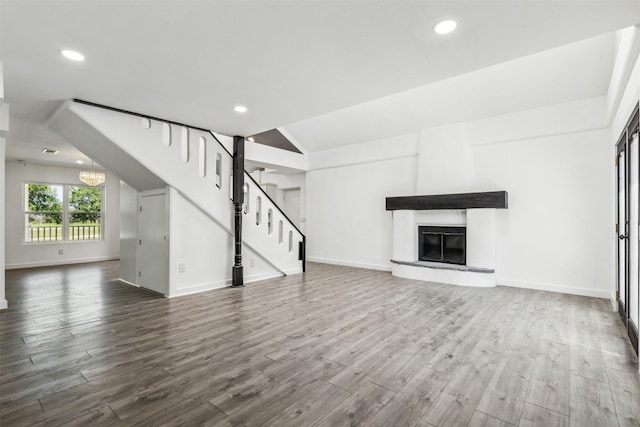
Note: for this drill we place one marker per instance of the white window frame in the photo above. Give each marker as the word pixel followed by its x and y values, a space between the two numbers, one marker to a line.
pixel 66 211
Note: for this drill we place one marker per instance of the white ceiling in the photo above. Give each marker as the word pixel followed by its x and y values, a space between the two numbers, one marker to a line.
pixel 568 73
pixel 291 63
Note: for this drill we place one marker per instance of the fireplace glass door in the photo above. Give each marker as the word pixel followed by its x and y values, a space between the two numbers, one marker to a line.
pixel 442 244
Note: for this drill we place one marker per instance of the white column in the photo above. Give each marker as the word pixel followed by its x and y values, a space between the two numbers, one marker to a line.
pixel 405 231
pixel 481 238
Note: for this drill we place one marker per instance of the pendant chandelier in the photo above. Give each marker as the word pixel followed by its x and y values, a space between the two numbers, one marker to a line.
pixel 92 177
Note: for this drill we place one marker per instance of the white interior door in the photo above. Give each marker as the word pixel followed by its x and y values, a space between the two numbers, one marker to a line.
pixel 153 243
pixel 292 205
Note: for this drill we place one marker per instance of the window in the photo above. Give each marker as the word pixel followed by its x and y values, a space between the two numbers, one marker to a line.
pixel 57 212
pixel 270 221
pixel 184 144
pixel 246 198
pixel 202 156
pixel 218 170
pixel 258 210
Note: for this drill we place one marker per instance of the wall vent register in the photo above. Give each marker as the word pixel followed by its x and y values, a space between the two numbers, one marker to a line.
pixel 442 244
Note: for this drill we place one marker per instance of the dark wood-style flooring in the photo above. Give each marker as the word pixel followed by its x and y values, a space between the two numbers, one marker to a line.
pixel 335 346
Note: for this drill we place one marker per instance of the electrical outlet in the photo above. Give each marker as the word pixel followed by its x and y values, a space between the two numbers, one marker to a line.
pixel 252 262
pixel 60 251
pixel 182 267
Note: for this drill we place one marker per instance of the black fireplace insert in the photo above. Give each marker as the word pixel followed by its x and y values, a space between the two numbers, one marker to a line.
pixel 442 244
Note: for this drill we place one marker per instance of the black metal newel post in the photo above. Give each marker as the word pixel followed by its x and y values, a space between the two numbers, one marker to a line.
pixel 238 199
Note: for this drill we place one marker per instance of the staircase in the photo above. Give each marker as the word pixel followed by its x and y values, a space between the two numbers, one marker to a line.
pixel 149 153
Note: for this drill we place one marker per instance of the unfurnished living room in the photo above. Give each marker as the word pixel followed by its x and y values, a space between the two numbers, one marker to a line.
pixel 319 213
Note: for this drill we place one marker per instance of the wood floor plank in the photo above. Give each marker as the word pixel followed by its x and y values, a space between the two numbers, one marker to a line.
pixel 591 404
pixel 12 414
pixel 358 408
pixel 412 401
pixel 533 416
pixel 549 385
pixel 618 353
pixel 311 407
pixel 333 346
pixel 588 362
pixel 625 390
pixel 183 412
pixel 100 417
pixel 504 396
pixel 459 399
pixel 269 402
pixel 519 360
pixel 480 419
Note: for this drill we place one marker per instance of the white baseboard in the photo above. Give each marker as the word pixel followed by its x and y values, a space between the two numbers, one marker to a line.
pixel 203 287
pixel 3 304
pixel 61 262
pixel 350 264
pixel 554 288
pixel 614 302
pixel 126 282
pixel 262 276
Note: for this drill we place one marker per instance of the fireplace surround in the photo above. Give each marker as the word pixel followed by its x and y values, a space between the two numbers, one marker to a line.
pixel 443 217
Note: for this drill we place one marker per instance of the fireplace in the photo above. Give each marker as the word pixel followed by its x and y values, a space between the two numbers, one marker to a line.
pixel 442 244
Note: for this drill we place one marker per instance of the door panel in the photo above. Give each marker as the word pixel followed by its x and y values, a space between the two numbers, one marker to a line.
pixel 633 231
pixel 153 245
pixel 622 230
pixel 292 205
pixel 628 226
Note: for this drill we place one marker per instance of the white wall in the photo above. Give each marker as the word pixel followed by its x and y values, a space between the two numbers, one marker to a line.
pixel 346 218
pixel 206 249
pixel 22 255
pixel 444 161
pixel 3 142
pixel 4 129
pixel 280 183
pixel 556 233
pixel 128 233
pixel 202 245
pixel 628 99
pixel 624 77
pixel 271 157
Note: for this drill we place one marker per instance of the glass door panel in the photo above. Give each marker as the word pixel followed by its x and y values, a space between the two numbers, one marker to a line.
pixel 628 225
pixel 622 219
pixel 633 231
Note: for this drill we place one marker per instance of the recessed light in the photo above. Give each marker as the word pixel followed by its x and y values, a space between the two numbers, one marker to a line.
pixel 49 151
pixel 240 109
pixel 445 27
pixel 79 162
pixel 72 55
